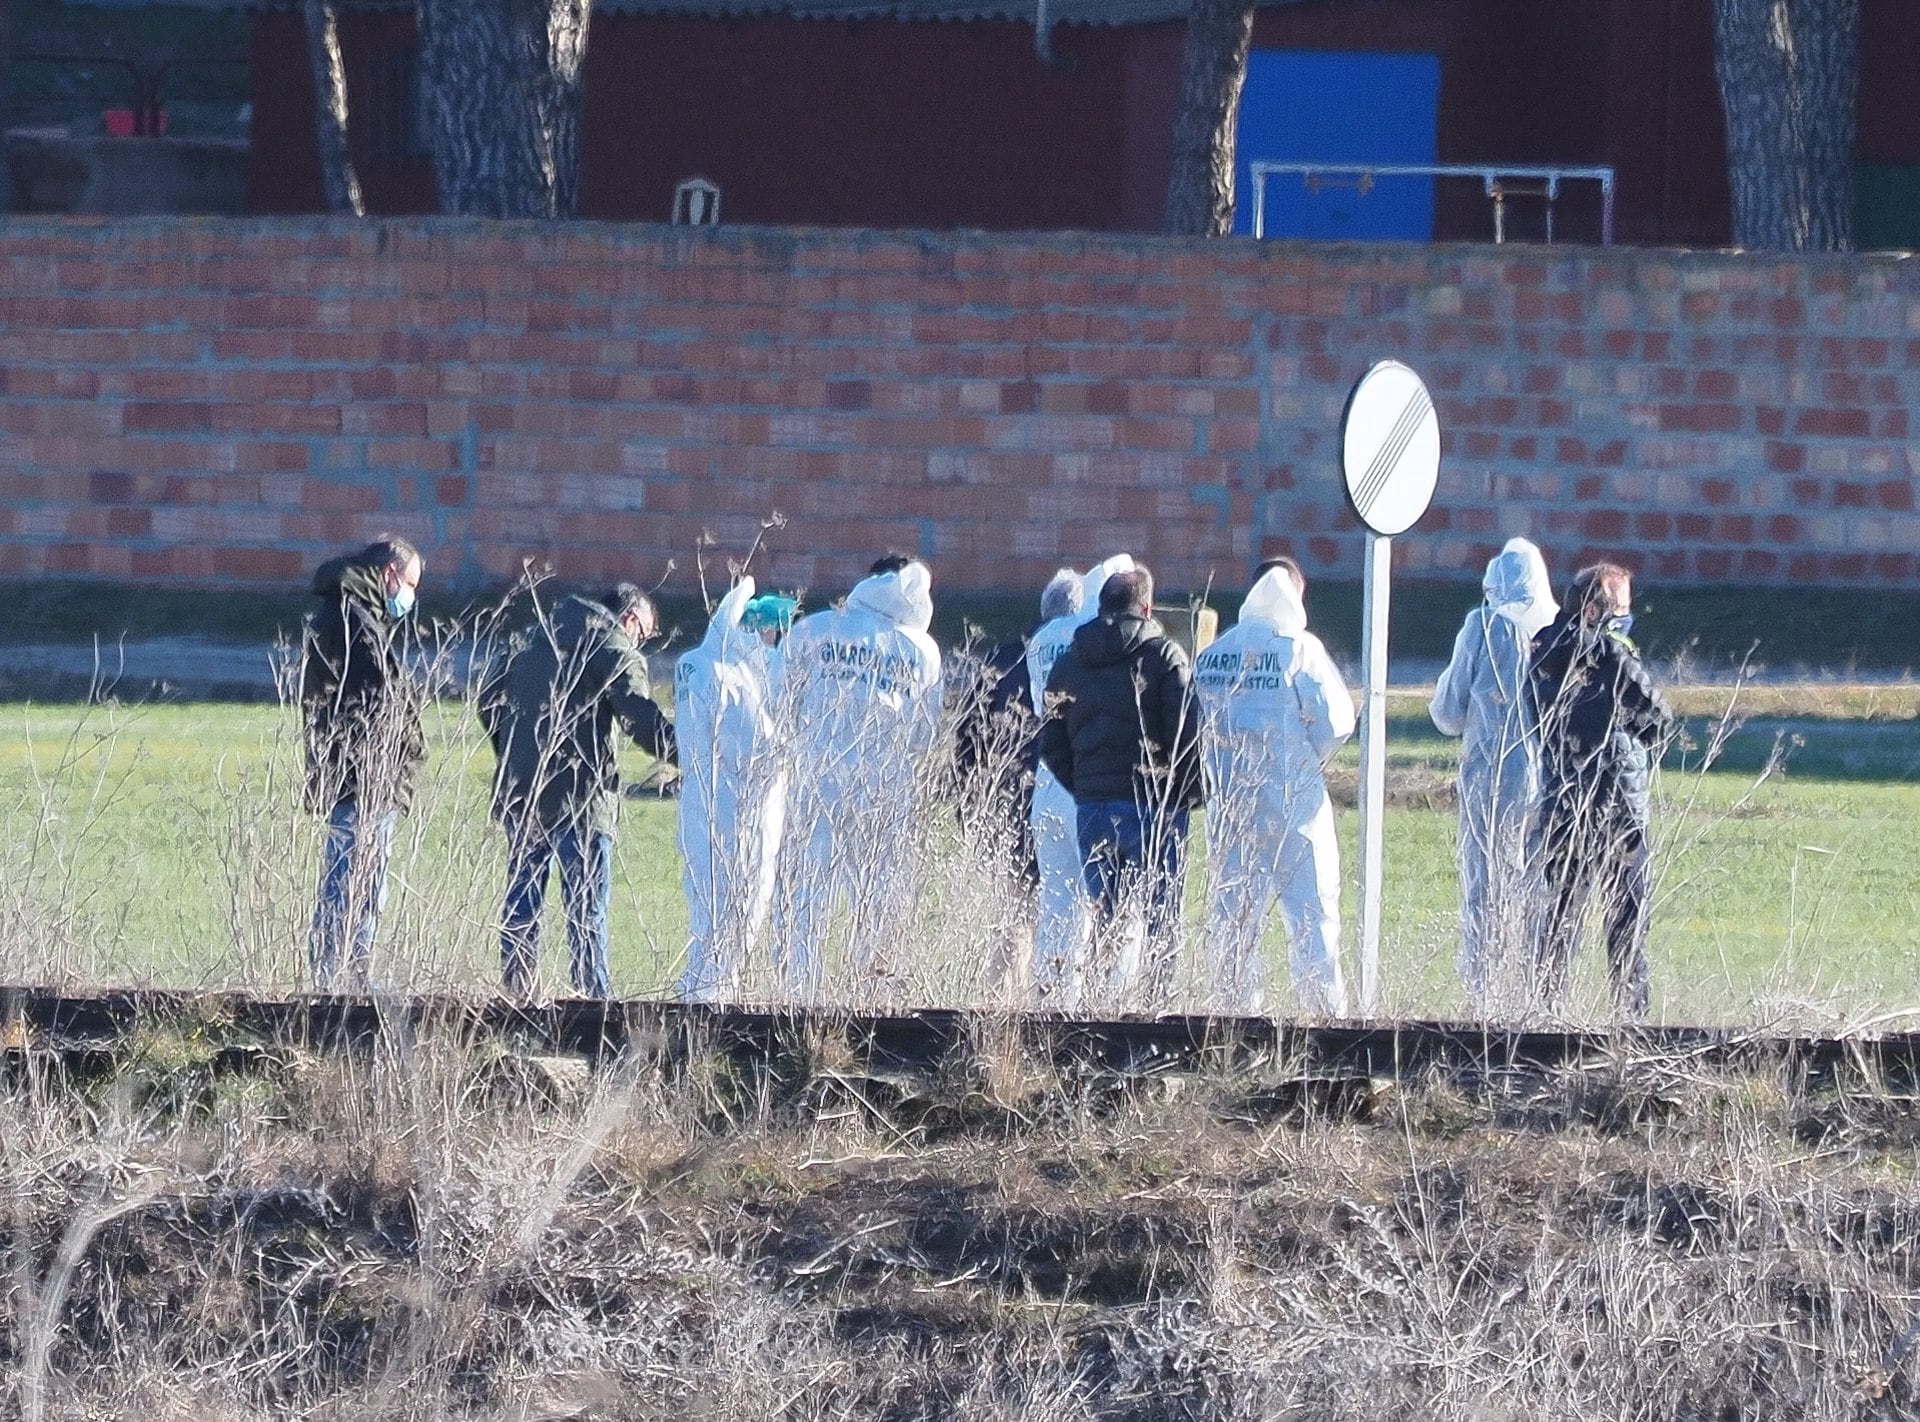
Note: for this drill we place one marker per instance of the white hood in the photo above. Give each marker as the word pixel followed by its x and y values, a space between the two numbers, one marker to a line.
pixel 1517 588
pixel 904 598
pixel 726 640
pixel 1275 601
pixel 1096 579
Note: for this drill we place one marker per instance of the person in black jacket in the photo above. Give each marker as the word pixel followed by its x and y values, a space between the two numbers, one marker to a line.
pixel 995 756
pixel 1601 724
pixel 550 708
pixel 1122 734
pixel 361 717
pixel 996 748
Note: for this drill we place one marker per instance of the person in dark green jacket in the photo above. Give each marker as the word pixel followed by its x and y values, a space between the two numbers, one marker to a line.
pixel 360 713
pixel 550 708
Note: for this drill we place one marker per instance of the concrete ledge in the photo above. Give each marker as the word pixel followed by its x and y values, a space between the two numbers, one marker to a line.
pixel 55 172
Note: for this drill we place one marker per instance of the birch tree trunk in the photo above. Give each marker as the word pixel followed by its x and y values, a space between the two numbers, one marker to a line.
pixel 1200 187
pixel 1789 74
pixel 504 82
pixel 337 176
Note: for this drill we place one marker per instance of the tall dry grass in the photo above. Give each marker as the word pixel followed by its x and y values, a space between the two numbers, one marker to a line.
pixel 427 1232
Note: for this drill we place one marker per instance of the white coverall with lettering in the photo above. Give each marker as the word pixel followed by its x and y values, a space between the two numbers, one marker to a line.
pixel 1276 709
pixel 860 710
pixel 732 794
pixel 1061 917
pixel 1479 698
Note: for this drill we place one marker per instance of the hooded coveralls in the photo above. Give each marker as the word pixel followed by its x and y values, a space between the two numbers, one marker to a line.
pixel 1275 710
pixel 860 709
pixel 1062 921
pixel 1481 697
pixel 732 795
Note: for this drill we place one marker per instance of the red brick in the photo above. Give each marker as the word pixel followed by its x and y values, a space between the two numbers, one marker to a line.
pixel 1783 529
pixel 1718 492
pixel 1842 424
pixel 145 417
pixel 110 487
pixel 1606 525
pixel 1784 458
pixel 1019 397
pixel 1701 419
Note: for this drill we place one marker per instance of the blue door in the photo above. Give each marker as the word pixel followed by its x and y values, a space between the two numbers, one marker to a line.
pixel 1301 107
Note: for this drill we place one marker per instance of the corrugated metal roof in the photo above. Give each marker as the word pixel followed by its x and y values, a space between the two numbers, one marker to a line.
pixel 1058 12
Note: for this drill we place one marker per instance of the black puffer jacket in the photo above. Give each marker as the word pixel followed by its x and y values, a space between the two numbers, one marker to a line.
pixel 361 709
pixel 1122 722
pixel 550 708
pixel 1601 720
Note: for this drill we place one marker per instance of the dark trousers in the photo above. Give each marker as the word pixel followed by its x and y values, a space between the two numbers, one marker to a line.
pixel 353 891
pixel 1582 855
pixel 1130 852
pixel 586 883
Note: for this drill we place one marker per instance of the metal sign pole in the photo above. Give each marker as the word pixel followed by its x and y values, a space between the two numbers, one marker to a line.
pixel 1373 762
pixel 1390 461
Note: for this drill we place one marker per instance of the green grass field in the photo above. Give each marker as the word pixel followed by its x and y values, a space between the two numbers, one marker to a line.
pixel 167 845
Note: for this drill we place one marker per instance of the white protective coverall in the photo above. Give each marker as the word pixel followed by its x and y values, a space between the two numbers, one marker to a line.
pixel 732 794
pixel 1479 698
pixel 1062 921
pixel 860 711
pixel 1275 710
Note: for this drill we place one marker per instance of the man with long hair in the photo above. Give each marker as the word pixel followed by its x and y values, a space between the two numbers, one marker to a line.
pixel 1601 724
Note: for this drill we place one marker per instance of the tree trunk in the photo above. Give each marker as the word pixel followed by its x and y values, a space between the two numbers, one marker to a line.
pixel 504 82
pixel 337 176
pixel 1200 189
pixel 1789 73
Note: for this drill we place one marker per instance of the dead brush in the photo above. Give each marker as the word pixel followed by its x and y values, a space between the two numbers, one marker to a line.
pixel 384 1236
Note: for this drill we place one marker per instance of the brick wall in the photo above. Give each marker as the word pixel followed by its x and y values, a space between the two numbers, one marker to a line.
pixel 218 401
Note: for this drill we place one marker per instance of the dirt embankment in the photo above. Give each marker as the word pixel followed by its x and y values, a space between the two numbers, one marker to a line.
pixel 432 1233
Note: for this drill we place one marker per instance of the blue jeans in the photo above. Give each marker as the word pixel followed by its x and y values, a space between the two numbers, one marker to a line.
pixel 586 883
pixel 353 891
pixel 1132 851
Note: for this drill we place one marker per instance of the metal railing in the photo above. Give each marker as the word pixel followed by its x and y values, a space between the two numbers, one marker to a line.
pixel 1500 182
pixel 146 76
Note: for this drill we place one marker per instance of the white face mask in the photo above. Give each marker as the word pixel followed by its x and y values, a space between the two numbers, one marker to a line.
pixel 400 602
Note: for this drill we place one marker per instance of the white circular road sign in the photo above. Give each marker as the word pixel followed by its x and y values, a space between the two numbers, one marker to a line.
pixel 1390 448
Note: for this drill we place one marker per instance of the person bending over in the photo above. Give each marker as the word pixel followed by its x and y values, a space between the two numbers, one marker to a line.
pixel 550 709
